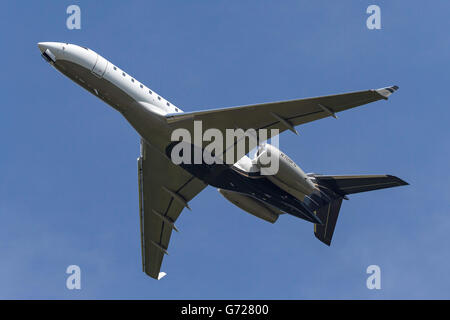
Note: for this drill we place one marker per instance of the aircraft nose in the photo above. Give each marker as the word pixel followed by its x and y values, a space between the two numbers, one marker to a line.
pixel 51 51
pixel 48 45
pixel 41 46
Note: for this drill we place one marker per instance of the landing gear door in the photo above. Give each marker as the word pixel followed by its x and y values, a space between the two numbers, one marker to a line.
pixel 100 66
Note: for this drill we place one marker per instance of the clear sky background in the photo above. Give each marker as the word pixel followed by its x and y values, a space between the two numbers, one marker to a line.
pixel 68 171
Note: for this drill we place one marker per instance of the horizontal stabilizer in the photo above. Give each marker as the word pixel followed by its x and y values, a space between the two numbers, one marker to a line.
pixel 354 184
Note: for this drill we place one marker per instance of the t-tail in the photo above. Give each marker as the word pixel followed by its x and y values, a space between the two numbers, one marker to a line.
pixel 326 201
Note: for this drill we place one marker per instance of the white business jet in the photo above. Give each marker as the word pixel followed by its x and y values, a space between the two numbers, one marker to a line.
pixel 166 188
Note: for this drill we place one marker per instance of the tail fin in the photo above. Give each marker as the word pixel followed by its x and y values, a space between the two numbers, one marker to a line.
pixel 337 187
pixel 328 215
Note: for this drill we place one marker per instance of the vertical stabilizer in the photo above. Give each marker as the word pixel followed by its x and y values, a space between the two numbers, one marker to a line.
pixel 328 215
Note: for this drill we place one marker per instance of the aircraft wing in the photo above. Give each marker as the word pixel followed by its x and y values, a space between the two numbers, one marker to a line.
pixel 164 190
pixel 276 115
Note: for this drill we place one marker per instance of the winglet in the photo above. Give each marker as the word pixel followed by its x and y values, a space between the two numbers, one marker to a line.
pixel 386 92
pixel 161 275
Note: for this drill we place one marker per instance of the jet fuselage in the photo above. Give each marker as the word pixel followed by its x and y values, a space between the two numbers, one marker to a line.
pixel 144 109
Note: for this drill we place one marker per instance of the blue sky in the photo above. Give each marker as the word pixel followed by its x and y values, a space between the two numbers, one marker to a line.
pixel 68 175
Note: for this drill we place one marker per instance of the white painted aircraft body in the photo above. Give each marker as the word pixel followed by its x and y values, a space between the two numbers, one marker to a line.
pixel 166 188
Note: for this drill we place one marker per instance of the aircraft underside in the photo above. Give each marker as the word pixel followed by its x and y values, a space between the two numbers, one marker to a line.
pixel 260 196
pixel 165 188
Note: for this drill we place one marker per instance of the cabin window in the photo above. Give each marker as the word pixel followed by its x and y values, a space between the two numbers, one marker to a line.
pixel 150 91
pixel 123 73
pixel 141 86
pixel 176 109
pixel 168 104
pixel 114 68
pixel 132 80
pixel 159 98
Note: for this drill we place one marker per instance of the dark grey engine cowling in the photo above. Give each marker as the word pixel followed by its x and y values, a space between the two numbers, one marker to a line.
pixel 251 205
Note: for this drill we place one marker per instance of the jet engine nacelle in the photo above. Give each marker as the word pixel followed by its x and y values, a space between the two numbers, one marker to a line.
pixel 252 205
pixel 289 176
